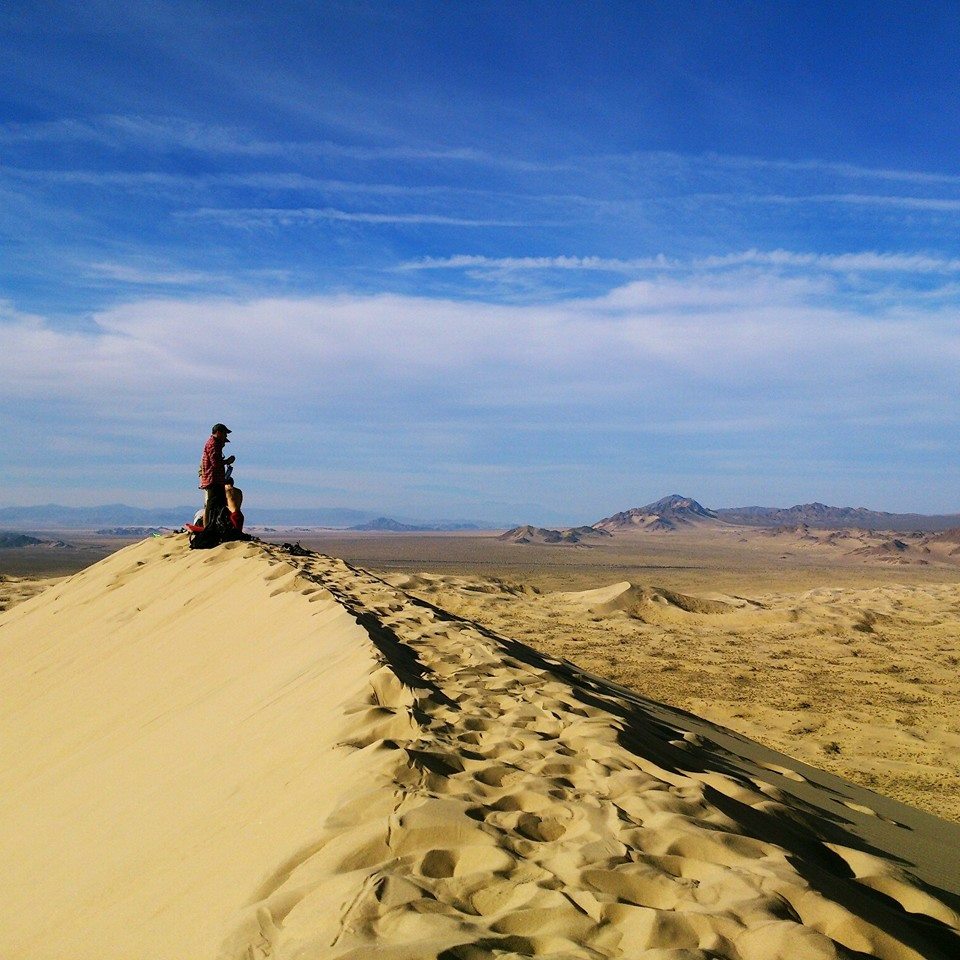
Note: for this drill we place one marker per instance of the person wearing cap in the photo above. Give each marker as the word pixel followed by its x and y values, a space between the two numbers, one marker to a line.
pixel 213 472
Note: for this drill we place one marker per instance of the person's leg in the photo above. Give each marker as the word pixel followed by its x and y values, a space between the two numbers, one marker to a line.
pixel 215 502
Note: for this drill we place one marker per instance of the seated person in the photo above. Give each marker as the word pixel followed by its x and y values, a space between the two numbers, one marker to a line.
pixel 234 501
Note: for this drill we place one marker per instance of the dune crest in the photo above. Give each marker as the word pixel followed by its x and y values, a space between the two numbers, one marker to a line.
pixel 342 770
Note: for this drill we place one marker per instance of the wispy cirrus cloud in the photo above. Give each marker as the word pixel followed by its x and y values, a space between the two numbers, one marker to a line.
pixel 846 170
pixel 932 204
pixel 175 133
pixel 280 181
pixel 288 216
pixel 866 261
pixel 165 133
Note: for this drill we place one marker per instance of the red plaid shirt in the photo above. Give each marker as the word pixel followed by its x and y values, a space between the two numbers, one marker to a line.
pixel 212 468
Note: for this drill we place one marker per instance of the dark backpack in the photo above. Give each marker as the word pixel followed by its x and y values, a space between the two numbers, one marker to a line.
pixel 220 531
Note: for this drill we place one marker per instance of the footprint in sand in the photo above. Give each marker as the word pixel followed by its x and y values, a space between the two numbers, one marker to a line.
pixel 870 812
pixel 783 771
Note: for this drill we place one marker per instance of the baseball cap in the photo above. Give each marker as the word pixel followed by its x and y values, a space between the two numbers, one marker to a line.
pixel 218 427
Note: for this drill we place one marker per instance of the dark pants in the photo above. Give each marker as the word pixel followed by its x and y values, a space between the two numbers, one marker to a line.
pixel 216 500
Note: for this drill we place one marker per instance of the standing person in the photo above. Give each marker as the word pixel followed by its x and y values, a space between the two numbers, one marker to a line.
pixel 213 471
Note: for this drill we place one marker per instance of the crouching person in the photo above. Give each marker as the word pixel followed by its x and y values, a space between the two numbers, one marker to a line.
pixel 234 502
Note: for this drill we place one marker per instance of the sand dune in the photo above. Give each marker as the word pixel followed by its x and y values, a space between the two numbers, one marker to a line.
pixel 862 681
pixel 241 754
pixel 650 604
pixel 14 590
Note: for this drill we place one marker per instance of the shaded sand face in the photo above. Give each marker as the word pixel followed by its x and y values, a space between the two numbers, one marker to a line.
pixel 241 754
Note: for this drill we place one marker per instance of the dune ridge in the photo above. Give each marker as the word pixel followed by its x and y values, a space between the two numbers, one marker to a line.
pixel 381 777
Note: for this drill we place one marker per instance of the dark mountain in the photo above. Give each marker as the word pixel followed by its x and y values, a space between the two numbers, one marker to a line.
pixel 9 541
pixel 670 513
pixel 822 517
pixel 13 541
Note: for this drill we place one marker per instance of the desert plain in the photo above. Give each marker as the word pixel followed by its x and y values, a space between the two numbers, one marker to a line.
pixel 699 744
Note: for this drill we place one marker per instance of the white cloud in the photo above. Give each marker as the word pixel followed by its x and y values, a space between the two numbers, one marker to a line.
pixel 737 330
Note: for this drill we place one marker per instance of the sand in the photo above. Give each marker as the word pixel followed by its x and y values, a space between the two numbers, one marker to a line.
pixel 861 681
pixel 14 590
pixel 245 754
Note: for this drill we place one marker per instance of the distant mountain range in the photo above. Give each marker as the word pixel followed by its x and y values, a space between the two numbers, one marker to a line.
pixel 56 516
pixel 676 512
pixel 821 516
pixel 120 519
pixel 53 515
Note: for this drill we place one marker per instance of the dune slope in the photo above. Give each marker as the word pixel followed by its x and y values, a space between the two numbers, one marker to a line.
pixel 244 754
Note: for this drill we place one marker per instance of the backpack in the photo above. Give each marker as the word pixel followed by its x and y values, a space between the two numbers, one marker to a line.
pixel 220 531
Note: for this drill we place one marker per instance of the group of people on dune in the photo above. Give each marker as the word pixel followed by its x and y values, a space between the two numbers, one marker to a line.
pixel 222 497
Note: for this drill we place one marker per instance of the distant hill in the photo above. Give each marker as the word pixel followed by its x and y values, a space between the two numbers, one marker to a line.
pixel 891 551
pixel 390 526
pixel 14 541
pixel 822 517
pixel 670 513
pixel 131 531
pixel 572 535
pixel 10 541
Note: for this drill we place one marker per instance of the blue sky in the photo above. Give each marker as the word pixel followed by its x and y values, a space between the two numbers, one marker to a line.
pixel 532 261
